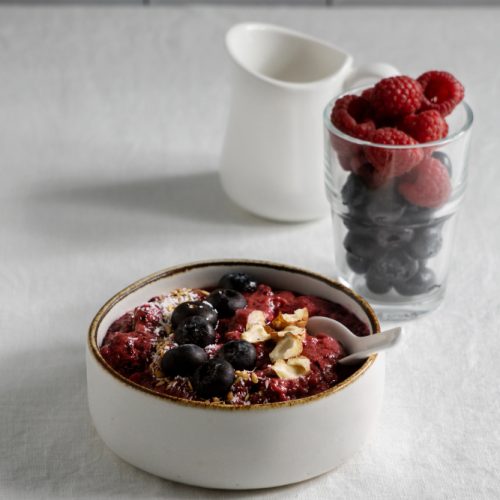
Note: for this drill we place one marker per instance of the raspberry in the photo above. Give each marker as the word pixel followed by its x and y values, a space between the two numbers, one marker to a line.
pixel 367 93
pixel 344 147
pixel 124 323
pixel 351 162
pixel 353 116
pixel 442 91
pixel 427 126
pixel 393 162
pixel 345 162
pixel 147 318
pixel 427 185
pixel 396 96
pixel 128 353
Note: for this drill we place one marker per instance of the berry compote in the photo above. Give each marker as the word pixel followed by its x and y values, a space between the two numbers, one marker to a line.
pixel 256 351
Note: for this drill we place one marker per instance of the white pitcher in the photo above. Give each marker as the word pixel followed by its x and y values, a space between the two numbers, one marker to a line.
pixel 272 159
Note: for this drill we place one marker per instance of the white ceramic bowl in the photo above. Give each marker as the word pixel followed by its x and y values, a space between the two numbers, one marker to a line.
pixel 233 447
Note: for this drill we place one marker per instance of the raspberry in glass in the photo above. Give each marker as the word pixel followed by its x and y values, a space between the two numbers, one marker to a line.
pixel 426 126
pixel 353 115
pixel 393 162
pixel 428 185
pixel 396 96
pixel 441 91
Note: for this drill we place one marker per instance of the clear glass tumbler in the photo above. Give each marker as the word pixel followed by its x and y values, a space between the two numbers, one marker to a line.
pixel 394 226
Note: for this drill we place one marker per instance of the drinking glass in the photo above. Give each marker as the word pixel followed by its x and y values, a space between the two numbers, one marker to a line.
pixel 394 212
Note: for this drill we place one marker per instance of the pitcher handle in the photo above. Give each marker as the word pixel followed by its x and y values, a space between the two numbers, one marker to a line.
pixel 374 71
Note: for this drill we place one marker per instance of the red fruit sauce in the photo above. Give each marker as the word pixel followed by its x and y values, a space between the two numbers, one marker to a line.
pixel 135 342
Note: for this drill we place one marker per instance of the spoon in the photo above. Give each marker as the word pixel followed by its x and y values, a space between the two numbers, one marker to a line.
pixel 358 348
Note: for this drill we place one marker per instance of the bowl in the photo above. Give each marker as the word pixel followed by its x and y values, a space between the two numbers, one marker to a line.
pixel 232 447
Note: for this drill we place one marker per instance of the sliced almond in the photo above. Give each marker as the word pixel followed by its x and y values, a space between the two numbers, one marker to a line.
pixel 256 318
pixel 298 315
pixel 298 318
pixel 288 347
pixel 301 364
pixel 281 369
pixel 279 323
pixel 297 331
pixel 256 333
pixel 292 368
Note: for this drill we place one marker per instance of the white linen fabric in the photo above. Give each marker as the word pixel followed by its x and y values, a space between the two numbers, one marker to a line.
pixel 111 123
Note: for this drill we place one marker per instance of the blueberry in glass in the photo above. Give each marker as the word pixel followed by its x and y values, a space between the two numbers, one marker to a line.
pixel 422 282
pixel 377 283
pixel 361 244
pixel 354 192
pixel 386 207
pixel 416 216
pixel 395 266
pixel 444 159
pixel 395 236
pixel 426 243
pixel 358 264
pixel 358 223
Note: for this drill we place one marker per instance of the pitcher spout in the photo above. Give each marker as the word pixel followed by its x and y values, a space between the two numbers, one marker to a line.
pixel 282 56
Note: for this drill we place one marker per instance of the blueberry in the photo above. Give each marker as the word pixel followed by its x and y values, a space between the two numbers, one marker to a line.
pixel 386 206
pixel 376 283
pixel 354 192
pixel 213 378
pixel 194 308
pixel 241 282
pixel 426 242
pixel 358 223
pixel 396 236
pixel 422 282
pixel 240 353
pixel 183 360
pixel 396 266
pixel 358 218
pixel 416 216
pixel 195 330
pixel 361 244
pixel 444 159
pixel 358 264
pixel 226 301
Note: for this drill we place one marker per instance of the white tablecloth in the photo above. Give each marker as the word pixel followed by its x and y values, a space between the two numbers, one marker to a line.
pixel 111 123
